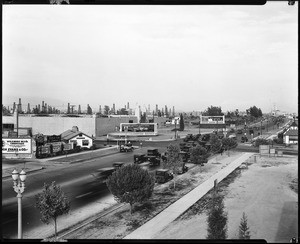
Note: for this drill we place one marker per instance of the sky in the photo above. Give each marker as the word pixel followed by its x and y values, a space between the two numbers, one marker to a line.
pixel 186 56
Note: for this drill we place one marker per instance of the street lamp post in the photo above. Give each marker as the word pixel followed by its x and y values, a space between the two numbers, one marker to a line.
pixel 261 127
pixel 19 187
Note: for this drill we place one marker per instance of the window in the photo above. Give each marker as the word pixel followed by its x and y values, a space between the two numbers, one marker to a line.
pixel 85 142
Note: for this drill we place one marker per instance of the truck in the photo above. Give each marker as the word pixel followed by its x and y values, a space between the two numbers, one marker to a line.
pixel 139 158
pixel 183 169
pixel 163 176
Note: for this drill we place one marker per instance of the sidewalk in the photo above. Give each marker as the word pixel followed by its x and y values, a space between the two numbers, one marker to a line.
pixel 160 221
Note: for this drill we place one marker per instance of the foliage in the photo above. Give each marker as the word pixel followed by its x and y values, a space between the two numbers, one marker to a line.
pixel 254 111
pixel 216 143
pixel 244 232
pixel 229 143
pixel 261 141
pixel 52 203
pixel 217 218
pixel 143 118
pixel 213 111
pixel 89 109
pixel 131 184
pixel 199 155
pixel 174 161
pixel 106 110
pixel 181 123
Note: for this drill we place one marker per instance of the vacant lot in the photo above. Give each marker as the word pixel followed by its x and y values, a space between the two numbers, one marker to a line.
pixel 267 192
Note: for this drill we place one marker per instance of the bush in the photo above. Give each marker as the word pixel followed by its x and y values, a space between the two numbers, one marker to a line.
pixel 131 184
pixel 261 141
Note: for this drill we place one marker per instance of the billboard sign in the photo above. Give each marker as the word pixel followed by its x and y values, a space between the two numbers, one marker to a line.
pixel 212 119
pixel 53 138
pixel 16 145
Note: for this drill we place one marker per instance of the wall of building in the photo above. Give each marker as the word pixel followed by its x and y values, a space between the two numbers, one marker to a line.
pixel 105 125
pixel 54 125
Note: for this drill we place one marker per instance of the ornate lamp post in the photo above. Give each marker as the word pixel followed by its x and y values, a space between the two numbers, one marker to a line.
pixel 19 187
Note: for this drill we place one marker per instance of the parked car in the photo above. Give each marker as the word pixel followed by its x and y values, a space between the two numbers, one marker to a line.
pixel 102 174
pixel 183 169
pixel 153 156
pixel 139 158
pixel 126 148
pixel 163 175
pixel 239 131
pixel 118 164
pixel 153 152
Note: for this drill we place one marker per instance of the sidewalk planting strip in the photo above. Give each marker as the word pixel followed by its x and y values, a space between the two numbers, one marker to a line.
pixel 153 226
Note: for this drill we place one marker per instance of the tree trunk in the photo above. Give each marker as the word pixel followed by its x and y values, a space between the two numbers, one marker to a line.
pixel 55 228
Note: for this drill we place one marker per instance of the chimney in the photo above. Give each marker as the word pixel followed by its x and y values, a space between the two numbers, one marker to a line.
pixel 74 129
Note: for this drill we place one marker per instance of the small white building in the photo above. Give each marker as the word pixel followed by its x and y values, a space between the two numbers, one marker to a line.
pixel 291 135
pixel 77 138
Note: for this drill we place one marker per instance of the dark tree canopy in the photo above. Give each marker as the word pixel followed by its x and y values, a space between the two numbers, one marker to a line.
pixel 216 143
pixel 213 111
pixel 199 155
pixel 181 123
pixel 131 184
pixel 217 218
pixel 52 203
pixel 174 160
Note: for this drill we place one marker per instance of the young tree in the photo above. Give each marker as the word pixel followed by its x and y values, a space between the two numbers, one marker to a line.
pixel 173 161
pixel 229 143
pixel 261 141
pixel 217 218
pixel 181 123
pixel 51 203
pixel 216 143
pixel 244 232
pixel 131 184
pixel 89 109
pixel 199 155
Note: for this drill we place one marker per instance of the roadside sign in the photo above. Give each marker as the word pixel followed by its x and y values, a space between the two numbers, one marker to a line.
pixel 264 149
pixel 17 147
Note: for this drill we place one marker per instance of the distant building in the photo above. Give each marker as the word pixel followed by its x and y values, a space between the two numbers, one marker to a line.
pixel 77 138
pixel 290 136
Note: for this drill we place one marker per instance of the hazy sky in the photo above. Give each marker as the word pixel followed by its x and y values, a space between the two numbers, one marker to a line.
pixel 189 56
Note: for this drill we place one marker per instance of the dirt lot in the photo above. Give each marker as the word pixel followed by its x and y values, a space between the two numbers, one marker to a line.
pixel 267 192
pixel 118 224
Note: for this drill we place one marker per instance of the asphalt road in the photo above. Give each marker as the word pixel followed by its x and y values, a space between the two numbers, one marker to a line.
pixel 76 180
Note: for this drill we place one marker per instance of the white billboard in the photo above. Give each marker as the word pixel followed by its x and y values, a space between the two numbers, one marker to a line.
pixel 16 146
pixel 212 119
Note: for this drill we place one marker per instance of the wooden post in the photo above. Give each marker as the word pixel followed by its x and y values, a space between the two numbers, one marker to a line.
pixel 215 185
